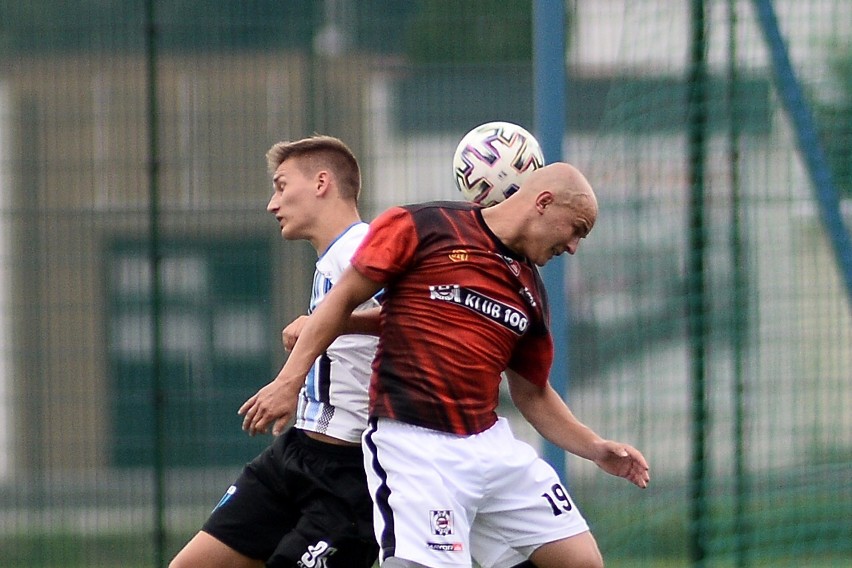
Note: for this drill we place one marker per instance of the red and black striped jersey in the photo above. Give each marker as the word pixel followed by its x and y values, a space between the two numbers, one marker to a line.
pixel 459 308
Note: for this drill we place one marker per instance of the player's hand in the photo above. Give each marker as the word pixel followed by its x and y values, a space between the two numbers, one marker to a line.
pixel 291 333
pixel 272 405
pixel 622 460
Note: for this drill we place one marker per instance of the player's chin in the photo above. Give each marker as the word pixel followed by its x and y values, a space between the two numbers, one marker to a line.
pixel 548 255
pixel 544 258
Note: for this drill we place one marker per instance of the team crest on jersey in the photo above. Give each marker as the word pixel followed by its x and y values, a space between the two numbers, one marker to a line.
pixel 441 522
pixel 512 264
pixel 458 255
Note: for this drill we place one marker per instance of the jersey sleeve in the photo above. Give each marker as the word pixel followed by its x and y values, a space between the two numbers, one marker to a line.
pixel 389 247
pixel 533 357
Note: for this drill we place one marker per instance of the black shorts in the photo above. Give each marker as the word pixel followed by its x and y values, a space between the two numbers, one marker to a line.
pixel 295 502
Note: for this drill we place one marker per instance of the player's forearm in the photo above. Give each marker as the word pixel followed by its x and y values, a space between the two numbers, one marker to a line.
pixel 575 437
pixel 545 410
pixel 365 322
pixel 558 425
pixel 330 320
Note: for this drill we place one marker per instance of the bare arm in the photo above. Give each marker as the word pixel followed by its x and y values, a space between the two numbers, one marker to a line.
pixel 275 403
pixel 545 410
pixel 364 322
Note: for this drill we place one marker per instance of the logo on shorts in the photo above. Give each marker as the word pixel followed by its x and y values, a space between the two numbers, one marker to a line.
pixel 445 546
pixel 231 490
pixel 317 555
pixel 442 522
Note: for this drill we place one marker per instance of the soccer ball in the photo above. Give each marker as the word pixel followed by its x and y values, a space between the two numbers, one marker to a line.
pixel 493 159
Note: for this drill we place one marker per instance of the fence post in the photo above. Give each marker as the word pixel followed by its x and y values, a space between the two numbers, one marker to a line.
pixel 549 112
pixel 739 321
pixel 154 252
pixel 696 292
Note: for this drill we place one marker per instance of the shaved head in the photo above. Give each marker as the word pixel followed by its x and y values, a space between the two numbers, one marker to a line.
pixel 567 184
pixel 550 213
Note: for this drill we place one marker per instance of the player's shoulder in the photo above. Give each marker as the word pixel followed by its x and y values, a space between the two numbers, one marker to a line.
pixel 356 231
pixel 438 213
pixel 429 218
pixel 352 235
pixel 341 249
pixel 440 205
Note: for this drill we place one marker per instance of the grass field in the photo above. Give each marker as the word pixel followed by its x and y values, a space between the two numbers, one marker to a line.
pixel 795 522
pixel 135 551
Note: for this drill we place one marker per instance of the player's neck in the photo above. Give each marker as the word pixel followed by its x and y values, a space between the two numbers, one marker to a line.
pixel 503 226
pixel 332 226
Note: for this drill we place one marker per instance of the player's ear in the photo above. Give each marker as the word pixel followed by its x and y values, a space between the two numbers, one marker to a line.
pixel 543 200
pixel 323 181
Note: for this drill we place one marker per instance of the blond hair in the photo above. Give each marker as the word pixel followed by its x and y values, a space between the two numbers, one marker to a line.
pixel 320 152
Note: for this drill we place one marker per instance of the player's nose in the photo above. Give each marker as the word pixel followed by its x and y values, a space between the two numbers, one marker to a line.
pixel 573 245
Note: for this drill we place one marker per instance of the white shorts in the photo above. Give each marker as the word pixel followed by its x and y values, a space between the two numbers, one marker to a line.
pixel 441 499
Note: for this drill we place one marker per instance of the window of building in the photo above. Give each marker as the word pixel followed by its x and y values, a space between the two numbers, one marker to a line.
pixel 215 349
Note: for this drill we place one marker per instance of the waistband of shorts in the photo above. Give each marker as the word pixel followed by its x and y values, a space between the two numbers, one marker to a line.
pixel 336 449
pixel 499 425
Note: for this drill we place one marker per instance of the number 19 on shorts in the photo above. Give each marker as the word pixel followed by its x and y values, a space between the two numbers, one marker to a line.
pixel 558 499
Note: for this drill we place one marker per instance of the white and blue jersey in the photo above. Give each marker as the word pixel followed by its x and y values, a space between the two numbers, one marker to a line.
pixel 335 396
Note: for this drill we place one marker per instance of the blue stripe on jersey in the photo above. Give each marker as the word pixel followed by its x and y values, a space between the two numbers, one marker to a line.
pixel 319 289
pixel 315 410
pixel 318 380
pixel 324 382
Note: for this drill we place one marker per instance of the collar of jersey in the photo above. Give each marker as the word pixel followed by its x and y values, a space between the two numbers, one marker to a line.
pixel 337 238
pixel 501 248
